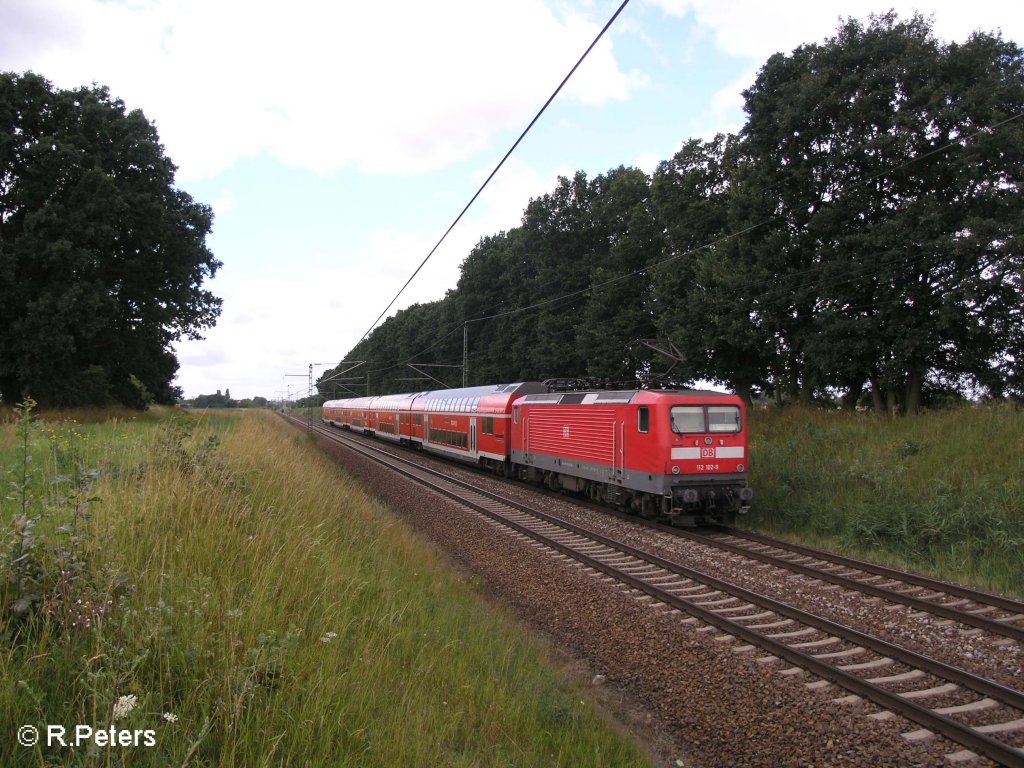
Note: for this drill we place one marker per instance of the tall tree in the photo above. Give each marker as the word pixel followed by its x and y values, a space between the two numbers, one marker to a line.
pixel 102 259
pixel 560 235
pixel 619 306
pixel 890 165
pixel 705 294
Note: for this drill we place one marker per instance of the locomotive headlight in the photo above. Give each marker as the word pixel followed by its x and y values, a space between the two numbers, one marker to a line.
pixel 740 467
pixel 675 470
pixel 709 440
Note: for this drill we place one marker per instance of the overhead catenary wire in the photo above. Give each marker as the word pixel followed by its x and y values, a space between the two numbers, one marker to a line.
pixel 498 166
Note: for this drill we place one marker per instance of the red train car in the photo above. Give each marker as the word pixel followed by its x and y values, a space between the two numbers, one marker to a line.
pixel 470 424
pixel 681 455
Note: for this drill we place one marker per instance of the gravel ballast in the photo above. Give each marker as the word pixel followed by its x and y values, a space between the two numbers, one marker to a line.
pixel 678 686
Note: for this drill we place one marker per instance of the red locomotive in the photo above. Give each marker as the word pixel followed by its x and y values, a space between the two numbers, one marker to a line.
pixel 680 455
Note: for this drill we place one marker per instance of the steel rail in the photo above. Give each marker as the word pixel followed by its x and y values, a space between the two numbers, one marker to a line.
pixel 984 598
pixel 937 609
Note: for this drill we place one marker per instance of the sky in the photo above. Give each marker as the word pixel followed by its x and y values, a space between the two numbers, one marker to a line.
pixel 337 141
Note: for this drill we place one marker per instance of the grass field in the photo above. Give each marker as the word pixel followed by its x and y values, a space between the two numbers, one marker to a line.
pixel 217 583
pixel 942 492
pixel 219 587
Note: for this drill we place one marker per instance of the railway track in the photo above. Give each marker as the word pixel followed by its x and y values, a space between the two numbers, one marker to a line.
pixel 985 718
pixel 995 614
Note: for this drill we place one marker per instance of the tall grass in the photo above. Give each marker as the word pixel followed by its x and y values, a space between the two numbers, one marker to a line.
pixel 942 492
pixel 262 611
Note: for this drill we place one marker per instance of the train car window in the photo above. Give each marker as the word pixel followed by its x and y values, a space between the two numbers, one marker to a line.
pixel 723 418
pixel 515 413
pixel 643 419
pixel 687 418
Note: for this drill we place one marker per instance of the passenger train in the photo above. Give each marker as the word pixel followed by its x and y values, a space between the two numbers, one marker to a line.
pixel 678 455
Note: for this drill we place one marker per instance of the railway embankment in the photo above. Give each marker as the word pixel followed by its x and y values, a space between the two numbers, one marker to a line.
pixel 213 590
pixel 942 492
pixel 701 696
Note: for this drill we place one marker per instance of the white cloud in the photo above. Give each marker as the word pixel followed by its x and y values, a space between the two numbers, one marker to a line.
pixel 385 87
pixel 225 202
pixel 272 326
pixel 648 162
pixel 757 30
pixel 725 111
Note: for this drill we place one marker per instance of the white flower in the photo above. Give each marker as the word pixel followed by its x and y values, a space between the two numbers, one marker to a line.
pixel 328 637
pixel 170 717
pixel 124 705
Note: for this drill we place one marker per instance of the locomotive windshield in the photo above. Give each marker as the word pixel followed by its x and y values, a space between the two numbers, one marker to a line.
pixel 723 418
pixel 688 419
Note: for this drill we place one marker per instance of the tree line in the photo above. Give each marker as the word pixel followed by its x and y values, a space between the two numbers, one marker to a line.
pixel 225 400
pixel 858 240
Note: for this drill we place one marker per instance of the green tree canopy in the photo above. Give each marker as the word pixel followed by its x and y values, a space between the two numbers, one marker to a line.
pixel 862 232
pixel 102 259
pixel 888 165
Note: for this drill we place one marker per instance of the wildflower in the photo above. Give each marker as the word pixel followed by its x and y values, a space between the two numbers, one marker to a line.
pixel 124 705
pixel 328 637
pixel 170 717
pixel 234 613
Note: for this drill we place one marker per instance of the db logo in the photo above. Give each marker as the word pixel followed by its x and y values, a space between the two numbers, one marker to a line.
pixel 707 453
pixel 565 432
